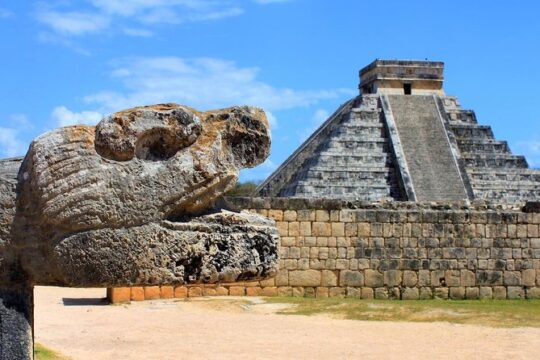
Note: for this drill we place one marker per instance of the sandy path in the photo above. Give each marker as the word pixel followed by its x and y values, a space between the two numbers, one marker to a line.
pixel 202 329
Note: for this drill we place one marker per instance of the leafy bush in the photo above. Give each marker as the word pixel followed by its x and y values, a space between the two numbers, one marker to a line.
pixel 243 189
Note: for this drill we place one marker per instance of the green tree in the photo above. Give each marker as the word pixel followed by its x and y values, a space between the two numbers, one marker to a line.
pixel 243 189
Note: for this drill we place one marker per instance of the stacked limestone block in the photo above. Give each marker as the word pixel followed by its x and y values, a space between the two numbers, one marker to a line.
pixel 494 172
pixel 350 155
pixel 401 147
pixel 354 160
pixel 396 251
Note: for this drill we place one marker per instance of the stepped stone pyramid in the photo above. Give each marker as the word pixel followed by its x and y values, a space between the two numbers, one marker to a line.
pixel 403 139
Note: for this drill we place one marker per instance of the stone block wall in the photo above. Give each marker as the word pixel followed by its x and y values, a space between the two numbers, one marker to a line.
pixel 396 250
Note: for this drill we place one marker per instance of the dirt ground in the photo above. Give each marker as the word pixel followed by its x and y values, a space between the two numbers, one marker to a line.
pixel 76 323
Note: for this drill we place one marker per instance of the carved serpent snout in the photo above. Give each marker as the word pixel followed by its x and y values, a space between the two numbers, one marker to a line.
pixel 141 165
pixel 128 201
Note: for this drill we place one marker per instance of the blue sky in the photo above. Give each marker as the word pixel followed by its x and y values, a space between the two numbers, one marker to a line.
pixel 66 62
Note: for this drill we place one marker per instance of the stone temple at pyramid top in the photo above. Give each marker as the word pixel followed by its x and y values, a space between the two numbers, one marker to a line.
pixel 402 77
pixel 404 139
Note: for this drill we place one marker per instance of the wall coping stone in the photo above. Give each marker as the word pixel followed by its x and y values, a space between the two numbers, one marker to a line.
pixel 285 203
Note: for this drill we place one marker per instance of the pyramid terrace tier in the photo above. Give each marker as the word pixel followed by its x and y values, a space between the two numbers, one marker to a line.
pixel 483 146
pixel 424 147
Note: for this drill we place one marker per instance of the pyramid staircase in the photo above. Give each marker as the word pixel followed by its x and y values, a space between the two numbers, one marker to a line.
pixel 432 166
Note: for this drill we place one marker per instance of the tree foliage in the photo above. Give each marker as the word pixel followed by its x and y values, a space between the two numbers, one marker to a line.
pixel 243 189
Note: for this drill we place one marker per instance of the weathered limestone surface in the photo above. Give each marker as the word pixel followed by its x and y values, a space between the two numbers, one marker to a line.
pixel 403 139
pixel 16 323
pixel 348 156
pixel 396 250
pixel 129 202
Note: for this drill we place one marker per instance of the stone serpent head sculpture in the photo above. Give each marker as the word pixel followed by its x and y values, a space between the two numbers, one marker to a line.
pixel 129 202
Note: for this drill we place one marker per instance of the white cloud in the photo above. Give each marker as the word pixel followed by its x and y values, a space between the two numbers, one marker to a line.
pixel 13 135
pixel 215 15
pixel 10 143
pixel 167 16
pixel 134 7
pixel 64 117
pixel 73 23
pixel 138 32
pixel 202 82
pixel 129 15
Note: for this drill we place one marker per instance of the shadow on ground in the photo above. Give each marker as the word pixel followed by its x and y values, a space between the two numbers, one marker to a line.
pixel 84 301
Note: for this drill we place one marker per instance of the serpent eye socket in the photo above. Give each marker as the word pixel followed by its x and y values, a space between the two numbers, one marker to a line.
pixel 154 132
pixel 158 144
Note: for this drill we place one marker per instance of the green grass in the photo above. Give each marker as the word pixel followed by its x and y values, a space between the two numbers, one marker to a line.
pixel 43 353
pixel 494 313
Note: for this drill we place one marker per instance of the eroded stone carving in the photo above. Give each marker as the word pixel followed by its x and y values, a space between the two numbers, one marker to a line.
pixel 127 202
